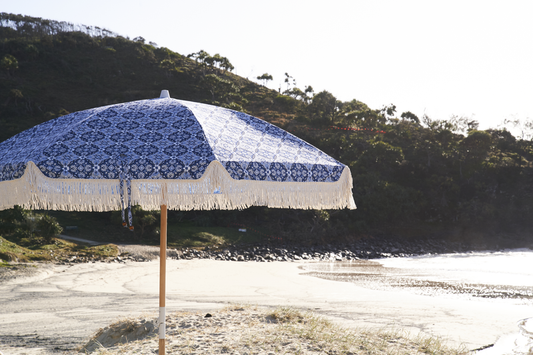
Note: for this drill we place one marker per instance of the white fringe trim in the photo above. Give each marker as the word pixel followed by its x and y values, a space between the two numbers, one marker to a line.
pixel 215 190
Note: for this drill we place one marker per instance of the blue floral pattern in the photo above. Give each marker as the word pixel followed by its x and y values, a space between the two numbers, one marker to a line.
pixel 164 139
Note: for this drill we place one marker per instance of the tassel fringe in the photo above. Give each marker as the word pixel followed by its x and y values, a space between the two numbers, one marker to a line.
pixel 215 190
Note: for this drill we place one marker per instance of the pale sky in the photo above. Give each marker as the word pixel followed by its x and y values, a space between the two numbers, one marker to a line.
pixel 440 58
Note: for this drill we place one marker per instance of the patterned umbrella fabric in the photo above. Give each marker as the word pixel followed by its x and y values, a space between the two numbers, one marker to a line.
pixel 166 153
pixel 182 154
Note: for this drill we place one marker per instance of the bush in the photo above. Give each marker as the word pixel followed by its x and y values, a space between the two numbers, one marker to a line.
pixel 48 228
pixel 11 219
pixel 27 227
pixel 286 103
pixel 145 223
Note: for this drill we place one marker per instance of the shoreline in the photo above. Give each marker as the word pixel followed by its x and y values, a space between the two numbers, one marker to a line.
pixel 205 285
pixel 74 301
pixel 361 249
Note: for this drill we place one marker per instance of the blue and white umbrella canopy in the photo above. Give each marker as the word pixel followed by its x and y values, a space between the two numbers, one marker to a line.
pixel 170 152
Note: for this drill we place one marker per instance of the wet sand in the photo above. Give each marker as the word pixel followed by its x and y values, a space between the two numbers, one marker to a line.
pixel 58 309
pixel 373 275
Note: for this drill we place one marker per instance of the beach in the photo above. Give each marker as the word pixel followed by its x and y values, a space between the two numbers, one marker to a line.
pixel 61 306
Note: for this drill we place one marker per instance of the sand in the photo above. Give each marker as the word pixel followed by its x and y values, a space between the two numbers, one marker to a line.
pixel 62 306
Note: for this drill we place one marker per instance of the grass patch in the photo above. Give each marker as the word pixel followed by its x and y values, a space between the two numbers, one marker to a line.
pixel 59 250
pixel 305 331
pixel 104 251
pixel 5 264
pixel 10 251
pixel 187 235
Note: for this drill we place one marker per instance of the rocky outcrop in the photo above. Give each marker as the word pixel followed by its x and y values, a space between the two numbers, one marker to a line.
pixel 362 249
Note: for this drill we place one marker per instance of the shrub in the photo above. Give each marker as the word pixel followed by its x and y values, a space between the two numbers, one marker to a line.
pixel 286 103
pixel 48 228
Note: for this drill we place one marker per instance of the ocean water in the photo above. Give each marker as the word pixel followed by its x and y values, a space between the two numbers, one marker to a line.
pixel 504 274
pixel 501 274
pixel 491 275
pixel 508 267
pixel 520 343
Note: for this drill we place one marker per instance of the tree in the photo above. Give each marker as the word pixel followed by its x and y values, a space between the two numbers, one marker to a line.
pixel 226 65
pixel 199 56
pixel 14 96
pixel 357 114
pixel 289 80
pixel 9 63
pixel 524 127
pixel 48 228
pixel 11 218
pixel 31 51
pixel 463 125
pixel 389 110
pixel 216 61
pixel 286 103
pixel 410 116
pixel 167 64
pixel 295 93
pixel 380 156
pixel 309 91
pixel 265 77
pixel 323 108
pixel 478 144
pixel 221 89
pixel 144 222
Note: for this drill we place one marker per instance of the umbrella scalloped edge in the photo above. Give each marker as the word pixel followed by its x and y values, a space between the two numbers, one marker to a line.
pixel 214 190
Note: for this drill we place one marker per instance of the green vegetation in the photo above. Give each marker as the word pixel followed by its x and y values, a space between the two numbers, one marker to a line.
pixel 29 236
pixel 27 227
pixel 197 230
pixel 58 250
pixel 413 176
pixel 186 235
pixel 10 251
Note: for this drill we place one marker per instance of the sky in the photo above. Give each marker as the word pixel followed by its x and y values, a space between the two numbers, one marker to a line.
pixel 468 58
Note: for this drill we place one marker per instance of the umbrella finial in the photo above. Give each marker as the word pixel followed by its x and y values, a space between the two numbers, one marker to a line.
pixel 164 94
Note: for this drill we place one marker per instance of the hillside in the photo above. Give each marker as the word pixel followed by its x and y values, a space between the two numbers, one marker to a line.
pixel 413 176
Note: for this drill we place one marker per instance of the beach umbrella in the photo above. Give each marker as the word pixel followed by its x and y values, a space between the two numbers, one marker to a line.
pixel 164 154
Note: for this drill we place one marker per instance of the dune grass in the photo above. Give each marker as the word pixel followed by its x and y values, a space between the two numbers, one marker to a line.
pixel 251 330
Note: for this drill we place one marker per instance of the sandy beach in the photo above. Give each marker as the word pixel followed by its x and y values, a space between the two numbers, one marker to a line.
pixel 61 306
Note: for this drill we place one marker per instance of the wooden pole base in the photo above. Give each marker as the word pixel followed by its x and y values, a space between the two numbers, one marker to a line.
pixel 162 278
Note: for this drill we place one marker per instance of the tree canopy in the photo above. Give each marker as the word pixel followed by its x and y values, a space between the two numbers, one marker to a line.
pixel 412 175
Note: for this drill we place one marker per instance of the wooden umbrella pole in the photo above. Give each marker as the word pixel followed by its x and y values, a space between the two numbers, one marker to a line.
pixel 162 278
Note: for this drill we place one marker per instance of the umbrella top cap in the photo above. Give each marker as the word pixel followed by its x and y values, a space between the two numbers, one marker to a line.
pixel 164 94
